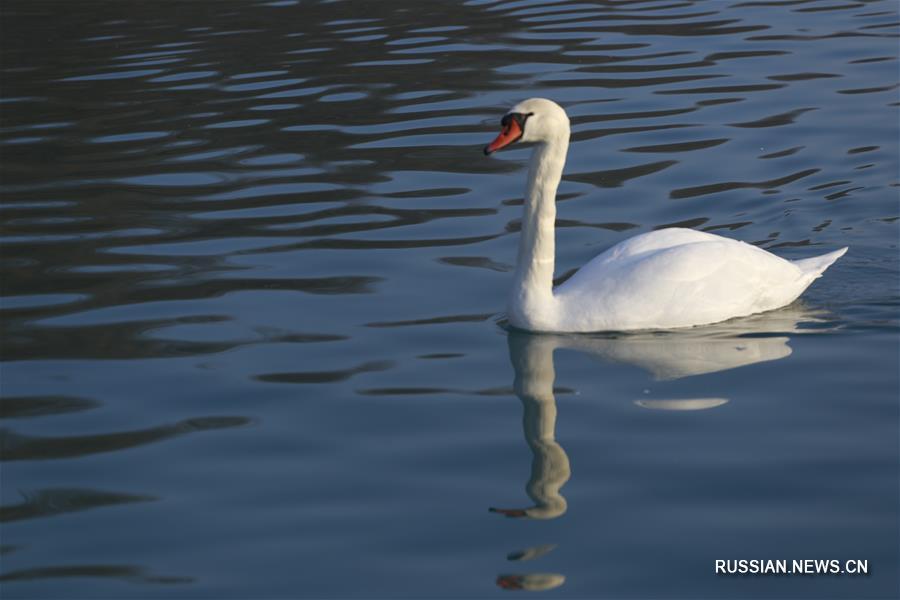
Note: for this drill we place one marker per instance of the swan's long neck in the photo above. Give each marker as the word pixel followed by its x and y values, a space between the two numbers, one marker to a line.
pixel 533 286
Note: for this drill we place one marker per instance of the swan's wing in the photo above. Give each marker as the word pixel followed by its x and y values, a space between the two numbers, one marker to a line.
pixel 660 283
pixel 655 240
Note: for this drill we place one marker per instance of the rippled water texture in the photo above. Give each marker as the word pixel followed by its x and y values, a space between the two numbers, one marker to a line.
pixel 255 263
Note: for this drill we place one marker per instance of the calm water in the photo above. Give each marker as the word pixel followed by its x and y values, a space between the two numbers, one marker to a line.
pixel 254 267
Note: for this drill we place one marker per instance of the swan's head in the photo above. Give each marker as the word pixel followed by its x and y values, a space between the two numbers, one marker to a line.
pixel 532 120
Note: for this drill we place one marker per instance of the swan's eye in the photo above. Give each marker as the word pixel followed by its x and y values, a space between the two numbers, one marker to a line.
pixel 519 118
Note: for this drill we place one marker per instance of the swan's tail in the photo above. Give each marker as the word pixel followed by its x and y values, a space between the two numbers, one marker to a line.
pixel 815 266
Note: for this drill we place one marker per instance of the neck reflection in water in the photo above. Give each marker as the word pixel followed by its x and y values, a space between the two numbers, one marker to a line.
pixel 532 359
pixel 665 355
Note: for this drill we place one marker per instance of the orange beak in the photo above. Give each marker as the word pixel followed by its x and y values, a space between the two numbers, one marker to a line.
pixel 510 133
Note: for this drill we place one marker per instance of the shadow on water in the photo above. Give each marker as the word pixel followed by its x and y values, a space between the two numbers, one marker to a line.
pixel 39 406
pixel 47 503
pixel 26 447
pixel 127 573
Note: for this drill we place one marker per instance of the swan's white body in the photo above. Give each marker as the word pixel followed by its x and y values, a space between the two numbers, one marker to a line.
pixel 663 279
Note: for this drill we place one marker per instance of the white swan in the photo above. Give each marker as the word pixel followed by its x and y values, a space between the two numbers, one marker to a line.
pixel 663 279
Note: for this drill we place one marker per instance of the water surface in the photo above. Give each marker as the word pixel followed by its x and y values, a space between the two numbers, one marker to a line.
pixel 253 272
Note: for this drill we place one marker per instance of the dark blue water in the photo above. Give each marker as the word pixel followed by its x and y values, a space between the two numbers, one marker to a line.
pixel 253 272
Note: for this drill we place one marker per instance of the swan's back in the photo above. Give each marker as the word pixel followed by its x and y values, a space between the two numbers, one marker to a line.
pixel 678 278
pixel 653 240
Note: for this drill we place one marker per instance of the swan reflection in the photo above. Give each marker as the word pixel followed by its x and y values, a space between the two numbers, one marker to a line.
pixel 532 359
pixel 682 403
pixel 532 582
pixel 683 353
pixel 530 553
pixel 665 355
